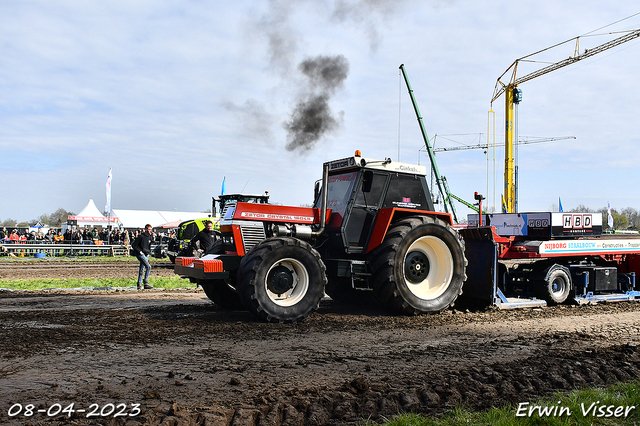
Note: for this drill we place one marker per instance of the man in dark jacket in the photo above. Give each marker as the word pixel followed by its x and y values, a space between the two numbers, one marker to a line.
pixel 206 237
pixel 142 249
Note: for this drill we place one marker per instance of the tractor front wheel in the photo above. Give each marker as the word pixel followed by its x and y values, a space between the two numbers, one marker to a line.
pixel 282 279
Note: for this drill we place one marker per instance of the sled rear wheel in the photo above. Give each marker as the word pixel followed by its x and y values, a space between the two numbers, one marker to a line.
pixel 555 286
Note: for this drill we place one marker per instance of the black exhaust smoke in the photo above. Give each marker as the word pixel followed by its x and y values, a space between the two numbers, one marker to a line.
pixel 312 117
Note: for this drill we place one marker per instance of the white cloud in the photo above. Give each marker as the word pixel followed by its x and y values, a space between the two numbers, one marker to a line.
pixel 176 96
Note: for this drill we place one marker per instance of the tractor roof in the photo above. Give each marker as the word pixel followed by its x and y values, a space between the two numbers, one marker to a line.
pixel 356 162
pixel 243 197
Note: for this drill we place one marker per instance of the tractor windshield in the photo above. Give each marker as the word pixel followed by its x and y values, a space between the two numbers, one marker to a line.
pixel 340 188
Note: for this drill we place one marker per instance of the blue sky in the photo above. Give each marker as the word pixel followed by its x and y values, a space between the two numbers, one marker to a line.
pixel 174 96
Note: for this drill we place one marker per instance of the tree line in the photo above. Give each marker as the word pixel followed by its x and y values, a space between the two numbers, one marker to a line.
pixel 54 220
pixel 627 218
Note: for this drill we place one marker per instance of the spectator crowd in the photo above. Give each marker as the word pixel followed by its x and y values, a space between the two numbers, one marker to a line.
pixel 70 236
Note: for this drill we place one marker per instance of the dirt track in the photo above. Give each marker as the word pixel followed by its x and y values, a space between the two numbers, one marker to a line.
pixel 188 362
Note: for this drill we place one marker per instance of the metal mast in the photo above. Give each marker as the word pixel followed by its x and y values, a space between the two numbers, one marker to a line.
pixel 441 181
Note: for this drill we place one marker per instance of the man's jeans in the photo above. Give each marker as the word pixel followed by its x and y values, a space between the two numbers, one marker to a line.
pixel 144 267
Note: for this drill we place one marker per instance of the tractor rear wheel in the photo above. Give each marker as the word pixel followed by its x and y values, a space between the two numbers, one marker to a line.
pixel 222 293
pixel 282 279
pixel 419 267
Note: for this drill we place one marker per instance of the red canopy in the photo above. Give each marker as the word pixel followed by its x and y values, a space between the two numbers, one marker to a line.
pixel 168 225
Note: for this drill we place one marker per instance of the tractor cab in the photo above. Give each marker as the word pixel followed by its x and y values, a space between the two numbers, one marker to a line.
pixel 227 200
pixel 358 188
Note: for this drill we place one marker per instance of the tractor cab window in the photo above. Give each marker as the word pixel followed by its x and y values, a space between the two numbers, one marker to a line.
pixel 409 192
pixel 358 226
pixel 340 188
pixel 369 195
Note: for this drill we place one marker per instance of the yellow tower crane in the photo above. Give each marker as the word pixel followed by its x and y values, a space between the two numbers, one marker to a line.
pixel 513 96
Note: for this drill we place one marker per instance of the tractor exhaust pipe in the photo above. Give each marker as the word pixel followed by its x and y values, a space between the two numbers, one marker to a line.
pixel 324 196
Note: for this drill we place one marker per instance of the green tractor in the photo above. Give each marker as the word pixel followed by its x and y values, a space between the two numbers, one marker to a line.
pixel 180 245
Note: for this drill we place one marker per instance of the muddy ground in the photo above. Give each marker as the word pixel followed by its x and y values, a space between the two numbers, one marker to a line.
pixel 188 362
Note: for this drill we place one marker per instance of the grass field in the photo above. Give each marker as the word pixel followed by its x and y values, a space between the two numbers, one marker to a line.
pixel 617 405
pixel 50 283
pixel 80 259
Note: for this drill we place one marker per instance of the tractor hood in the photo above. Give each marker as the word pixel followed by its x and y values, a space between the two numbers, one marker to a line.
pixel 274 213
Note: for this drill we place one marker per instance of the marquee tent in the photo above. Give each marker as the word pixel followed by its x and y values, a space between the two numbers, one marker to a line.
pixel 139 218
pixel 91 216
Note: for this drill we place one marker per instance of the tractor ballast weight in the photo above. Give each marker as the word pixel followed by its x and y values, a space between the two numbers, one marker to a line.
pixel 372 229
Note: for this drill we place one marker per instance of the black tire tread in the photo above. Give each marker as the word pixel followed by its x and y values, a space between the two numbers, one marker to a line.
pixel 383 267
pixel 544 286
pixel 221 294
pixel 248 269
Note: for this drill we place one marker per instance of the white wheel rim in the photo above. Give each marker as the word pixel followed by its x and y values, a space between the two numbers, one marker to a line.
pixel 300 283
pixel 440 261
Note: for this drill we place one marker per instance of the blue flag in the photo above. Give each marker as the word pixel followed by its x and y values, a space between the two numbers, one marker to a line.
pixel 223 188
pixel 560 205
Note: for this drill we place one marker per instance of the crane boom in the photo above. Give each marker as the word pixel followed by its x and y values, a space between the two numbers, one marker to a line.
pixel 512 96
pixel 471 206
pixel 501 87
pixel 485 146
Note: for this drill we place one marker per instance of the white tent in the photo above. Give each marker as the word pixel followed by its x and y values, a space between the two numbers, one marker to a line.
pixel 91 216
pixel 139 218
pixel 90 210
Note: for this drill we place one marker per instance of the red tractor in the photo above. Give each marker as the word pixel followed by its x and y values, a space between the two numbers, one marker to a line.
pixel 373 229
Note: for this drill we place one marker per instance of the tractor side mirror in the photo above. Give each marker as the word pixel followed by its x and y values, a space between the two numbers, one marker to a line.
pixel 367 181
pixel 316 190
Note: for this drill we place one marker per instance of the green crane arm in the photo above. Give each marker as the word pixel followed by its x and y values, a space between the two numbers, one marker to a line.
pixel 440 180
pixel 468 204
